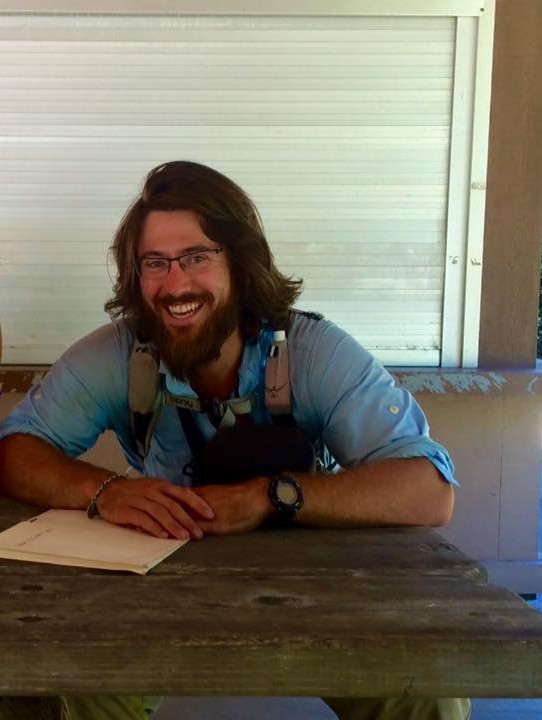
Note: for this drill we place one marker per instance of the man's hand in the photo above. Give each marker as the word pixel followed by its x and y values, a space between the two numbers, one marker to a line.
pixel 155 506
pixel 238 508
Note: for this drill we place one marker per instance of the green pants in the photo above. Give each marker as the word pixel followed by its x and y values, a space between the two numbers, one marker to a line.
pixel 137 707
pixel 84 707
pixel 404 708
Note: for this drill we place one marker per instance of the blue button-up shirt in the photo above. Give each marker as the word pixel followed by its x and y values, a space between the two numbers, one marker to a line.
pixel 340 394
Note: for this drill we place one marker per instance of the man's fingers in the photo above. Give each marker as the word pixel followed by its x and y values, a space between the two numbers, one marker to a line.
pixel 188 497
pixel 182 517
pixel 173 518
pixel 164 507
pixel 142 521
pixel 158 516
pixel 161 515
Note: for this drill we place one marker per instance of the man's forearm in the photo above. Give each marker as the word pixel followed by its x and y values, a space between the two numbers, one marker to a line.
pixel 385 493
pixel 34 471
pixel 388 492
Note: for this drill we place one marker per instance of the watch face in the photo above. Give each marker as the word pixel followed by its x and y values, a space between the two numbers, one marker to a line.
pixel 286 493
pixel 286 496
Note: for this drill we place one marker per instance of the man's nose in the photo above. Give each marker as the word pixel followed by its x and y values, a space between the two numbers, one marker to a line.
pixel 177 277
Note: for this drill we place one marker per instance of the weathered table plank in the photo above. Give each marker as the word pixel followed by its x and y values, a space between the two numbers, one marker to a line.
pixel 282 612
pixel 393 551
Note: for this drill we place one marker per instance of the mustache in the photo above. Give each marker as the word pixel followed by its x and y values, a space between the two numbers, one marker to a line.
pixel 169 299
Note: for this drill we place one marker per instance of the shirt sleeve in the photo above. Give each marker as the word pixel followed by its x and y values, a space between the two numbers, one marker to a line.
pixel 354 404
pixel 83 394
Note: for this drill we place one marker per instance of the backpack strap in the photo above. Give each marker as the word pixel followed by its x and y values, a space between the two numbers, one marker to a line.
pixel 277 377
pixel 237 406
pixel 144 378
pixel 278 392
pixel 192 469
pixel 143 394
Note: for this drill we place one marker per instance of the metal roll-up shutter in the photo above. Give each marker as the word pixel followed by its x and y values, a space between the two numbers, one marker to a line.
pixel 338 127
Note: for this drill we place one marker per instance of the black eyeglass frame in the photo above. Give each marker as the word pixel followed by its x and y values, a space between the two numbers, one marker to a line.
pixel 178 258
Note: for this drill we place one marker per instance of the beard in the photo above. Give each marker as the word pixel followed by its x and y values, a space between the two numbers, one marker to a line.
pixel 186 349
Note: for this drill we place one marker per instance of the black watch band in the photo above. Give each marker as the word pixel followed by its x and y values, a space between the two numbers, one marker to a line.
pixel 286 496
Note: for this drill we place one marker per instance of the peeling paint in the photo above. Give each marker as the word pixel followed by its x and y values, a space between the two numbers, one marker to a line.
pixel 499 380
pixel 460 382
pixel 530 386
pixel 15 380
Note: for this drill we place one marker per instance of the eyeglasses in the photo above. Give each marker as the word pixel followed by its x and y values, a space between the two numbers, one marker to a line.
pixel 192 262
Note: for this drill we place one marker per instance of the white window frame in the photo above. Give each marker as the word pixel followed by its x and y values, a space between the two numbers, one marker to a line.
pixel 450 8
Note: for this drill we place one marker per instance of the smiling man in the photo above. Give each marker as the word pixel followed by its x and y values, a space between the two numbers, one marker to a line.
pixel 200 305
pixel 191 312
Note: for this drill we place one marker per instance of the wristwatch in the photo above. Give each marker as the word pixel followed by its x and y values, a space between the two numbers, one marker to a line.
pixel 286 495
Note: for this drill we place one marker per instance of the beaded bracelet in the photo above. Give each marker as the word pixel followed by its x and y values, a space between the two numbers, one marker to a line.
pixel 92 509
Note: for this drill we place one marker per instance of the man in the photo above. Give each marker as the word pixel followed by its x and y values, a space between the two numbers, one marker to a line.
pixel 196 279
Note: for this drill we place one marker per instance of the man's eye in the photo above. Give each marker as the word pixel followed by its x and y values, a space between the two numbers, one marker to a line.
pixel 198 259
pixel 154 264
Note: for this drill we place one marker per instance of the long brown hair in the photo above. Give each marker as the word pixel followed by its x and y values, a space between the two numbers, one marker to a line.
pixel 228 217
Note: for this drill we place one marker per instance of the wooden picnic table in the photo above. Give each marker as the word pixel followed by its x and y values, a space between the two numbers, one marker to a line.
pixel 367 612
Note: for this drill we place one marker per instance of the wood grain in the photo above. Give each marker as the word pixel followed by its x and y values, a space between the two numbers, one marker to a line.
pixel 282 612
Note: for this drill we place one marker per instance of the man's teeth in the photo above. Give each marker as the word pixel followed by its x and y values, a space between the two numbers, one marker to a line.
pixel 183 309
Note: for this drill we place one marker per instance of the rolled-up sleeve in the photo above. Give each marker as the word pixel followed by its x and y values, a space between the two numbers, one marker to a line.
pixel 356 406
pixel 75 402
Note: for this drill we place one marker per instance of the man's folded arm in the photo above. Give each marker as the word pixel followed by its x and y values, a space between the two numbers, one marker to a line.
pixel 34 471
pixel 394 491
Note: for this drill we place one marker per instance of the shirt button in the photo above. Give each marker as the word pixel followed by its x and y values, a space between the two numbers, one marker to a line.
pixel 394 409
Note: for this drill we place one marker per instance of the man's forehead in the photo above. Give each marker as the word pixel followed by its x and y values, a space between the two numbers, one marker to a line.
pixel 175 230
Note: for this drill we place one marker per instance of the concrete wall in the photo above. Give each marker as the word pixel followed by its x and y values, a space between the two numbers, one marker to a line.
pixel 491 423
